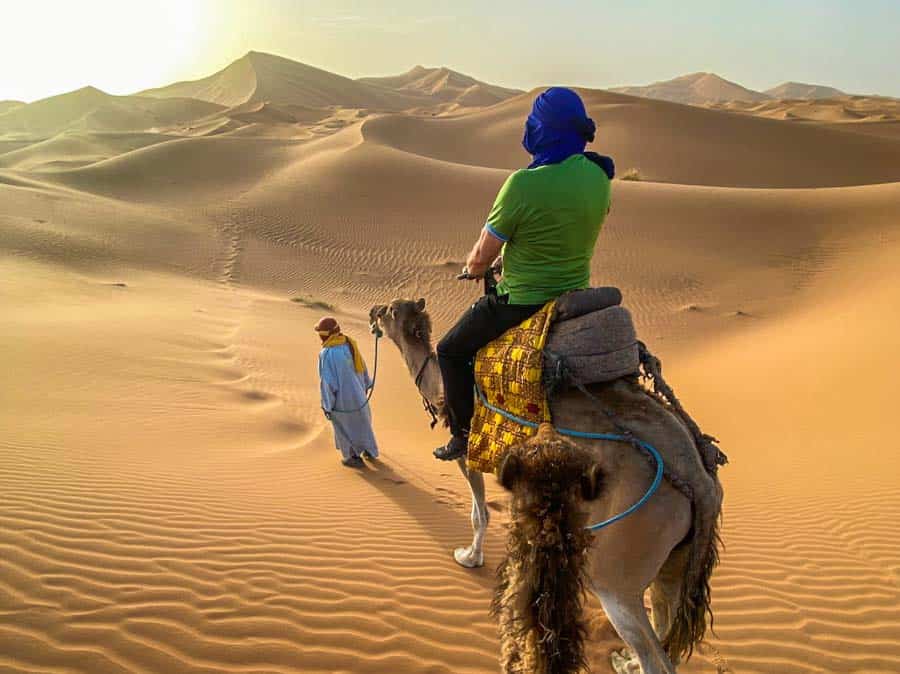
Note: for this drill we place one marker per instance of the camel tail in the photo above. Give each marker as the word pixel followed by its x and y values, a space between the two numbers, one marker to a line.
pixel 541 589
pixel 693 615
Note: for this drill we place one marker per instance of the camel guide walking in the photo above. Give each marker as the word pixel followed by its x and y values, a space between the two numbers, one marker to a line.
pixel 545 220
pixel 344 383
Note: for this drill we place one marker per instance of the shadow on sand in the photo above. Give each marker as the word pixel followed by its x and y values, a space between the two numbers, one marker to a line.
pixel 443 514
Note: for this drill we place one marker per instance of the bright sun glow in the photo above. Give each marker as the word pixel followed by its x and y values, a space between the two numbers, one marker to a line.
pixel 119 46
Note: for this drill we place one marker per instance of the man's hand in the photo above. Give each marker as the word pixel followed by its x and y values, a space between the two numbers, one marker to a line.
pixel 468 274
pixel 485 251
pixel 327 414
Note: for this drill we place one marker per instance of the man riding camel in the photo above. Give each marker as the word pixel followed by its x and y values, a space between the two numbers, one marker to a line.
pixel 545 221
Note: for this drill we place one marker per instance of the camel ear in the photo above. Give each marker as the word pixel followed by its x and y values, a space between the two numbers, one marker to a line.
pixel 509 471
pixel 592 483
pixel 420 305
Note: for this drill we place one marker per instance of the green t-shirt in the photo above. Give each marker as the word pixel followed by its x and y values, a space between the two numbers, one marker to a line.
pixel 549 218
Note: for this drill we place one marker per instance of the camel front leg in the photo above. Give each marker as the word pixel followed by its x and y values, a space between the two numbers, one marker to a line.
pixel 473 556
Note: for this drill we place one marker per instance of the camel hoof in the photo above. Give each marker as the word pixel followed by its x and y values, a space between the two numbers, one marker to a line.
pixel 624 662
pixel 468 558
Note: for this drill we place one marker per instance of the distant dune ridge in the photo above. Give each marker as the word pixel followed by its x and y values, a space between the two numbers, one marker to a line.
pixel 697 88
pixel 257 77
pixel 799 90
pixel 255 89
pixel 6 106
pixel 89 109
pixel 266 94
pixel 264 77
pixel 171 498
pixel 704 88
pixel 445 85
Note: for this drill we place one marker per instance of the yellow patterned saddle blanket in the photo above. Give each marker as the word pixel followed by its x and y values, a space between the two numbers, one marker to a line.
pixel 508 375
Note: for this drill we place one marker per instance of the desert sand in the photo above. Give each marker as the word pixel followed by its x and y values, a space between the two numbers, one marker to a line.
pixel 170 498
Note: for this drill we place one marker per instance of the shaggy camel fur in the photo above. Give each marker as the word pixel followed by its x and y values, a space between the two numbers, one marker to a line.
pixel 558 485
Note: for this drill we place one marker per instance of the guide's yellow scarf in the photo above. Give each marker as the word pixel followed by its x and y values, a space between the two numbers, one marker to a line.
pixel 338 339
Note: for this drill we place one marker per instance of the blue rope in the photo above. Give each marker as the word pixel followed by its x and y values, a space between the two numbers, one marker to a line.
pixel 657 479
pixel 371 390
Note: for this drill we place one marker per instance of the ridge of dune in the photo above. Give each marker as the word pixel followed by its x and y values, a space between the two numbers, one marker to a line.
pixel 801 90
pixel 6 106
pixel 52 114
pixel 665 141
pixel 445 85
pixel 258 76
pixel 694 89
pixel 90 109
pixel 68 150
pixel 859 114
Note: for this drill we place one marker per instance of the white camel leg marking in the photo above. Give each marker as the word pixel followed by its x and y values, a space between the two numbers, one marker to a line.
pixel 473 555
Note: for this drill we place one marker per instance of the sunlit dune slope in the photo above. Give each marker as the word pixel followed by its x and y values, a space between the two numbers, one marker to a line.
pixel 666 142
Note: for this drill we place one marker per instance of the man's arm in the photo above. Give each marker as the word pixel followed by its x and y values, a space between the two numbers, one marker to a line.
pixel 483 253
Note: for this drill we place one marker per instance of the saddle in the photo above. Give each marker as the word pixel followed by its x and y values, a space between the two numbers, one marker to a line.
pixel 591 339
pixel 583 337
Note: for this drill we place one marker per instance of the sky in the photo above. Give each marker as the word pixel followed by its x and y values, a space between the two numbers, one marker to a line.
pixel 48 47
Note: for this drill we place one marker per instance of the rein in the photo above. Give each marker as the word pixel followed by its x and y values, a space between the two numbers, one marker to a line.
pixel 429 406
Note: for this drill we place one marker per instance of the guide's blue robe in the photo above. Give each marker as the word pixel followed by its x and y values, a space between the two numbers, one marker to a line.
pixel 343 388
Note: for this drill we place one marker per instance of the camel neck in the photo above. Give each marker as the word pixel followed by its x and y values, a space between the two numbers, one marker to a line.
pixel 422 365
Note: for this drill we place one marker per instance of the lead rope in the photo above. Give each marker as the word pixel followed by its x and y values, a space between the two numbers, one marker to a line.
pixel 378 335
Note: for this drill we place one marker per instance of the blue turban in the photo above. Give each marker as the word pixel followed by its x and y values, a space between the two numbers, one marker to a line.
pixel 557 127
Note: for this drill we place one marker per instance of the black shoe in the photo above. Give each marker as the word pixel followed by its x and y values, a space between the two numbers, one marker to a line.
pixel 353 462
pixel 456 448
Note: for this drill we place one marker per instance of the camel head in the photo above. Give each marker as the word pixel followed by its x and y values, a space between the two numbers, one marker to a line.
pixel 549 461
pixel 542 581
pixel 404 321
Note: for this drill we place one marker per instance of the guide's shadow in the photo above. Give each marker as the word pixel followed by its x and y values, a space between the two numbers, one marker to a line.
pixel 443 515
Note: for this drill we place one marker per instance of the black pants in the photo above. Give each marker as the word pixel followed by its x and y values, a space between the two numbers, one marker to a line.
pixel 485 320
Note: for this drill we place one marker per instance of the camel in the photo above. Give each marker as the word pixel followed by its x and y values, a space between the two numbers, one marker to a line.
pixel 558 486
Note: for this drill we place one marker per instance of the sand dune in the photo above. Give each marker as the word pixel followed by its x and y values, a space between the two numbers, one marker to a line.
pixel 445 85
pixel 795 90
pixel 702 146
pixel 694 89
pixel 864 110
pixel 259 77
pixel 276 97
pixel 90 109
pixel 6 106
pixel 52 114
pixel 711 89
pixel 70 149
pixel 812 498
pixel 171 498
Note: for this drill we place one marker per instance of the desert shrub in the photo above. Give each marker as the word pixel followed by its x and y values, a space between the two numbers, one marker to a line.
pixel 312 303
